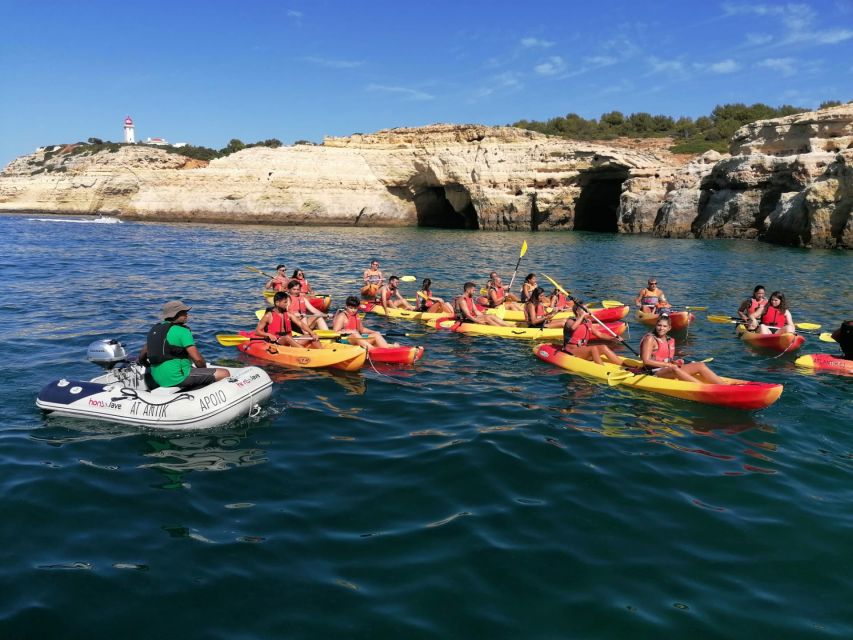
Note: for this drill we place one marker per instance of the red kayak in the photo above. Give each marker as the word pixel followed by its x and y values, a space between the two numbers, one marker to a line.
pixel 319 303
pixel 781 342
pixel 611 314
pixel 395 355
pixel 826 362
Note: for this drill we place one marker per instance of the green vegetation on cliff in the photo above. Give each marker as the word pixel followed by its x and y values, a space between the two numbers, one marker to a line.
pixel 693 136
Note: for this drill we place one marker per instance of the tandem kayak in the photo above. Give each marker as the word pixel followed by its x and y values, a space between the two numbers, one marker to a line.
pixel 395 355
pixel 678 319
pixel 321 303
pixel 123 395
pixel 518 331
pixel 782 342
pixel 739 394
pixel 332 355
pixel 403 314
pixel 609 314
pixel 825 362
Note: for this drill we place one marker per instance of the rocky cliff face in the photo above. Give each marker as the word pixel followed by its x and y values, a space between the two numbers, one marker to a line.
pixel 787 180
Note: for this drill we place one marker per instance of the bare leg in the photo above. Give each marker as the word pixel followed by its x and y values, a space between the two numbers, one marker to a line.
pixel 701 370
pixel 608 353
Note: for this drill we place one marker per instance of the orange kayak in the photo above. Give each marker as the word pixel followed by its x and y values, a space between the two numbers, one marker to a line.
pixel 782 342
pixel 678 319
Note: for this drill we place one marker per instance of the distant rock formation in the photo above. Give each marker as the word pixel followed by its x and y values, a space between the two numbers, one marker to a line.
pixel 788 181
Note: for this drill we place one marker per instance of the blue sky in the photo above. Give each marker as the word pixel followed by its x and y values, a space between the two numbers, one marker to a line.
pixel 206 72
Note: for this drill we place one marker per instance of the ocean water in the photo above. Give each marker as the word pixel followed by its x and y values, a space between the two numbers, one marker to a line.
pixel 480 493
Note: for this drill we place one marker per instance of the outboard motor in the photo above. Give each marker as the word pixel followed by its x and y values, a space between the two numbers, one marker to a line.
pixel 106 353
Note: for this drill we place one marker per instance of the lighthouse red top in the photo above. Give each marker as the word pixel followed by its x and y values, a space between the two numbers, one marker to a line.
pixel 128 120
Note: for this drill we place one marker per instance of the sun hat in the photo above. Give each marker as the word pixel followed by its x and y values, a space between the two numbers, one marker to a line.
pixel 172 309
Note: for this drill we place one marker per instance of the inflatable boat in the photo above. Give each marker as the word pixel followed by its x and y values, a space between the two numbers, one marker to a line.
pixel 123 395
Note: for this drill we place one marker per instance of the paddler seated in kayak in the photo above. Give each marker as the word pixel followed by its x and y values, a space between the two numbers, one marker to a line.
pixel 652 299
pixel 279 281
pixel 578 331
pixel 304 309
pixel 774 317
pixel 170 352
pixel 389 295
pixel 277 324
pixel 843 335
pixel 373 279
pixel 534 312
pixel 752 304
pixel 559 301
pixel 498 296
pixel 527 287
pixel 426 301
pixel 466 310
pixel 657 351
pixel 347 322
pixel 299 276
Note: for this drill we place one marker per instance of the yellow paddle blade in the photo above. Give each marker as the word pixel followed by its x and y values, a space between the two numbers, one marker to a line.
pixel 610 304
pixel 809 326
pixel 523 249
pixel 323 333
pixel 230 339
pixel 260 313
pixel 484 291
pixel 556 284
pixel 826 337
pixel 259 271
pixel 696 308
pixel 721 319
pixel 407 278
pixel 618 377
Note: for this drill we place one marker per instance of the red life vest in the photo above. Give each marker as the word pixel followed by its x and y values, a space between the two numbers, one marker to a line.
pixel 581 335
pixel 499 294
pixel 665 350
pixel 472 308
pixel 279 324
pixel 352 321
pixel 753 306
pixel 424 298
pixel 305 286
pixel 300 305
pixel 773 317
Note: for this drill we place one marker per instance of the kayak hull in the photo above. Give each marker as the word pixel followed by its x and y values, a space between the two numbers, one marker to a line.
pixel 334 355
pixel 739 394
pixel 611 314
pixel 825 362
pixel 402 314
pixel 524 333
pixel 783 343
pixel 395 355
pixel 319 303
pixel 678 319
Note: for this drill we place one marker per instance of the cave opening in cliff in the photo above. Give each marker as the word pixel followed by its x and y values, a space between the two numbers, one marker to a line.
pixel 447 207
pixel 597 206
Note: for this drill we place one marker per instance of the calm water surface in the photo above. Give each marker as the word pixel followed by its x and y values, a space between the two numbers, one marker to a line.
pixel 481 493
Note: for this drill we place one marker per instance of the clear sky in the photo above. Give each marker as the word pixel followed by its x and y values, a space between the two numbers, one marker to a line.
pixel 206 72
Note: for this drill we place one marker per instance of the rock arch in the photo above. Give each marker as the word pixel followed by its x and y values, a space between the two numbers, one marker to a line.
pixel 597 206
pixel 445 206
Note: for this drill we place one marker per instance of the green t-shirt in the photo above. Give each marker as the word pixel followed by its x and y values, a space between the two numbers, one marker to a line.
pixel 173 372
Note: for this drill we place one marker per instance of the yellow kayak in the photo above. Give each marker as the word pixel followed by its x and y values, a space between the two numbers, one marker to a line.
pixel 524 333
pixel 403 314
pixel 738 394
pixel 606 314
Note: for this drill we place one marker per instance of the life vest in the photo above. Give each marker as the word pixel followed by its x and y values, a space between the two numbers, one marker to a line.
pixel 773 317
pixel 665 350
pixel 305 286
pixel 278 285
pixel 279 324
pixel 379 291
pixel 579 336
pixel 499 294
pixel 562 301
pixel 753 306
pixel 352 321
pixel 300 304
pixel 159 351
pixel 539 311
pixel 423 300
pixel 472 309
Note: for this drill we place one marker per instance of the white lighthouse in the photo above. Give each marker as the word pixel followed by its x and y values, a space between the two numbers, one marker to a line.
pixel 128 130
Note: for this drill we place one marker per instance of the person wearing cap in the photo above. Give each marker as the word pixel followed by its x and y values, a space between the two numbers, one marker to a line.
pixel 170 352
pixel 279 281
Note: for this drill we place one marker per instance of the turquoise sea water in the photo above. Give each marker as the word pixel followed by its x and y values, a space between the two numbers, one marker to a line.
pixel 481 493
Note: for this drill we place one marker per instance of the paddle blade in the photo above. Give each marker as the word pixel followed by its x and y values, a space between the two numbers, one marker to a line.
pixel 618 377
pixel 500 312
pixel 808 326
pixel 230 339
pixel 696 308
pixel 260 313
pixel 610 304
pixel 523 249
pixel 556 284
pixel 407 278
pixel 826 337
pixel 722 319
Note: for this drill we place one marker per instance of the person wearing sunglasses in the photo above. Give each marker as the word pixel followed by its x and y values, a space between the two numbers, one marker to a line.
pixel 651 299
pixel 299 276
pixel 373 279
pixel 279 281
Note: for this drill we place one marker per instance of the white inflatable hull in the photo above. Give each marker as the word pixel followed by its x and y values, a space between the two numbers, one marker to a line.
pixel 121 396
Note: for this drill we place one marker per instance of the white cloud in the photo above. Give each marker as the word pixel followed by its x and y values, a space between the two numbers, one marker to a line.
pixel 506 82
pixel 798 22
pixel 724 66
pixel 333 63
pixel 758 39
pixel 405 92
pixel 672 67
pixel 292 13
pixel 785 66
pixel 550 67
pixel 536 42
pixel 600 61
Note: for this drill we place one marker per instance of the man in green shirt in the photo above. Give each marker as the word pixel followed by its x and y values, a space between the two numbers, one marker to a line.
pixel 170 351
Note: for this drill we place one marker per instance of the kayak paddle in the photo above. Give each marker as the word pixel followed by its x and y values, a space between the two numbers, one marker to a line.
pixel 407 278
pixel 610 304
pixel 260 272
pixel 233 339
pixel 520 256
pixel 826 337
pixel 805 326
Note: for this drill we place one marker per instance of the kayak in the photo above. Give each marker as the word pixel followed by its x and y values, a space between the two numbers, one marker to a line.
pixel 610 314
pixel 319 303
pixel 825 362
pixel 678 319
pixel 739 394
pixel 333 355
pixel 368 291
pixel 782 342
pixel 403 314
pixel 516 331
pixel 395 355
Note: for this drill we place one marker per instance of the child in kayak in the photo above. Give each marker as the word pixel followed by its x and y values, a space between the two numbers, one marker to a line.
pixel 578 331
pixel 651 299
pixel 348 323
pixel 657 351
pixel 774 317
pixel 534 312
pixel 466 310
pixel 425 301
